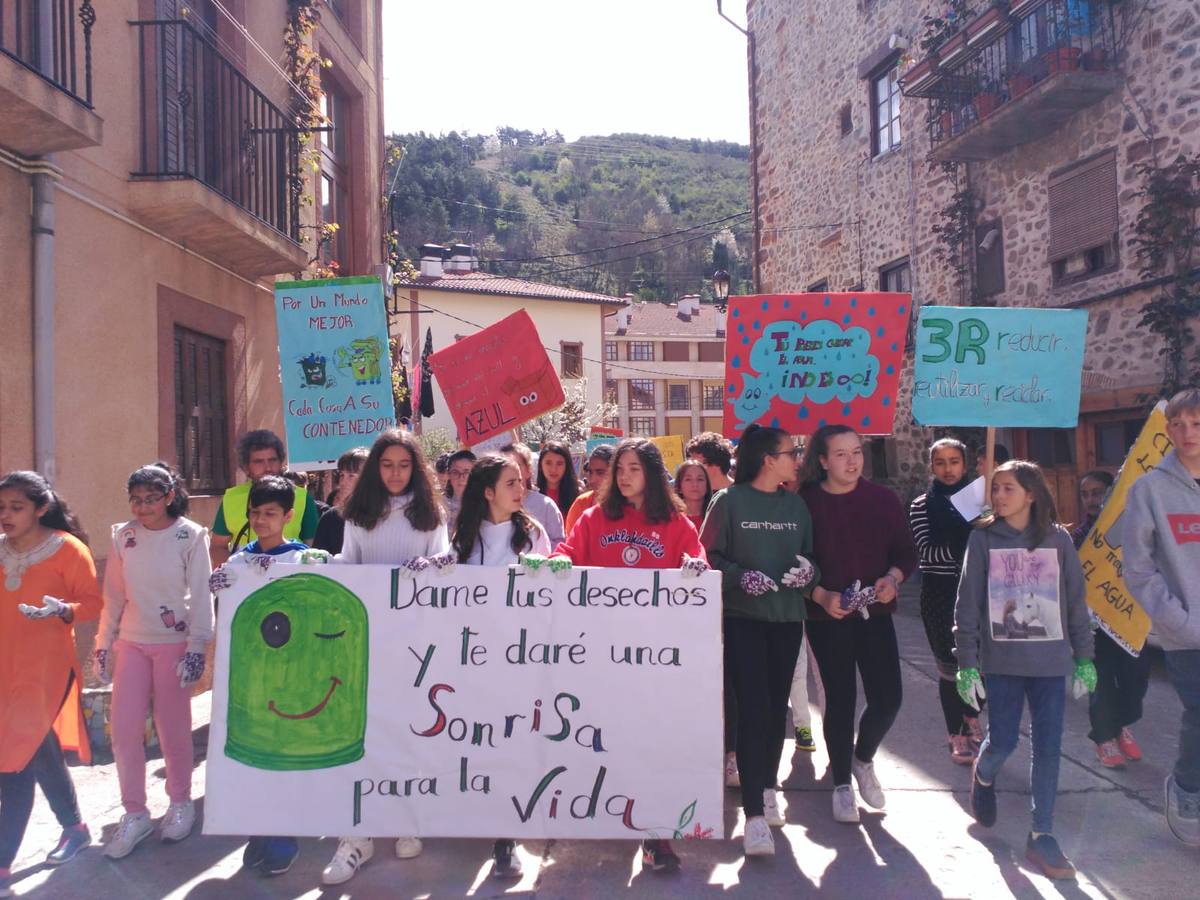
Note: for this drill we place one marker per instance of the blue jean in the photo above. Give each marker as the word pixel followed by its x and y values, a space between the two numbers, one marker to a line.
pixel 1006 695
pixel 1183 666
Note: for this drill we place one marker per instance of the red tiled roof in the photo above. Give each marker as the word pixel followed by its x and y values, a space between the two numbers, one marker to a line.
pixel 660 320
pixel 486 283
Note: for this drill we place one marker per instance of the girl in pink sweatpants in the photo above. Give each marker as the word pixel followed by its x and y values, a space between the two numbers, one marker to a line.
pixel 156 622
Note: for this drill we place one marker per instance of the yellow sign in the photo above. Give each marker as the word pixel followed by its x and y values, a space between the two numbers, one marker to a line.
pixel 1119 614
pixel 671 448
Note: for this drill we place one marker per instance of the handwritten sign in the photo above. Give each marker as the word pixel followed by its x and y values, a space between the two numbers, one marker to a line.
pixel 350 700
pixel 801 361
pixel 334 365
pixel 998 367
pixel 497 378
pixel 594 442
pixel 1119 614
pixel 671 448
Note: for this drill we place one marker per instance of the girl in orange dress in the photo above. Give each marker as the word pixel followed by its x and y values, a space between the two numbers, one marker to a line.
pixel 47 582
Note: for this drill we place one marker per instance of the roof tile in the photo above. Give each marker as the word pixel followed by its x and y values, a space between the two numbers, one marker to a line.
pixel 487 283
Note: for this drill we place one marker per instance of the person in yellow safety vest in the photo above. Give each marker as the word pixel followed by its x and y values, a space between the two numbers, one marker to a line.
pixel 260 453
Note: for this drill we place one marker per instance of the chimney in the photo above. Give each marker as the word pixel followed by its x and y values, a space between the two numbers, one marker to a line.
pixel 720 323
pixel 689 305
pixel 431 260
pixel 462 259
pixel 624 316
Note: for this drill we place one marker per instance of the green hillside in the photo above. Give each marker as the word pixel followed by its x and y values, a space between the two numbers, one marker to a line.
pixel 625 213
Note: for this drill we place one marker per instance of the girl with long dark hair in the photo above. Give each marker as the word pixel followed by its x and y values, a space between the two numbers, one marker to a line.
pixel 760 537
pixel 941 533
pixel 47 583
pixel 639 522
pixel 493 530
pixel 862 543
pixel 393 517
pixel 556 475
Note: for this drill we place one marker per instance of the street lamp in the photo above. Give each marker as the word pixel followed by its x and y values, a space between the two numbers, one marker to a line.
pixel 720 281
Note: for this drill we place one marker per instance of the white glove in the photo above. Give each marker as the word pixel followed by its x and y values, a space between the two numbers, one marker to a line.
pixel 315 557
pixel 51 606
pixel 100 665
pixel 800 575
pixel 444 563
pixel 692 566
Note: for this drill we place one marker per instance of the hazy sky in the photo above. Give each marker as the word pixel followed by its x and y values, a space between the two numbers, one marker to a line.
pixel 669 67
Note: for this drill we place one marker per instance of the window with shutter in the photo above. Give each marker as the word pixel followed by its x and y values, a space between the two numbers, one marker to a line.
pixel 675 351
pixel 711 351
pixel 989 258
pixel 1083 214
pixel 201 421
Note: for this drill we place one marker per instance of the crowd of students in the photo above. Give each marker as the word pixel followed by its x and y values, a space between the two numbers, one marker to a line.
pixel 811 555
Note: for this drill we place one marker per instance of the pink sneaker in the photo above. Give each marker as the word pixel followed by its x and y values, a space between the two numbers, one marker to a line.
pixel 1129 746
pixel 1110 755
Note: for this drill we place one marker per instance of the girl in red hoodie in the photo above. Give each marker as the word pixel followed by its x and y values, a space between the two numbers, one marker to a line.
pixel 638 522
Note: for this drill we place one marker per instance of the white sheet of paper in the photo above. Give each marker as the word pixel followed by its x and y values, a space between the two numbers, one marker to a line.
pixel 969 501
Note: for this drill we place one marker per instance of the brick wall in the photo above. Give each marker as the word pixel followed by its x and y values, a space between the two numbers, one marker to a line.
pixel 808 64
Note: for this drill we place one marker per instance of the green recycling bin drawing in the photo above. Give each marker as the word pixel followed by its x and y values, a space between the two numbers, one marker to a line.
pixel 298 676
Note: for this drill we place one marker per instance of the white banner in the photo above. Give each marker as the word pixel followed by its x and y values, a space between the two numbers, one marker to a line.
pixel 486 702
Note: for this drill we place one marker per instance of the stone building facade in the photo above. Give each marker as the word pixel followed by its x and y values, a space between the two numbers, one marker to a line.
pixel 850 131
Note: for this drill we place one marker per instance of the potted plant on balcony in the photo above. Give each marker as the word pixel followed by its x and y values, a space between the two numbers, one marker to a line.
pixel 986 98
pixel 1066 23
pixel 1020 80
pixel 939 29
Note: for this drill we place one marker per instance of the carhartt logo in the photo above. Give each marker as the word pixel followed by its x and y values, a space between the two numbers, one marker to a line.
pixel 1186 528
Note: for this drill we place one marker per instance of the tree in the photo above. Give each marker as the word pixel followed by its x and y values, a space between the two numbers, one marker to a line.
pixel 571 421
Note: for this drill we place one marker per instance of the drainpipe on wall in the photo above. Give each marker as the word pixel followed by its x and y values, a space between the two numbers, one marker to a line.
pixel 42 230
pixel 751 65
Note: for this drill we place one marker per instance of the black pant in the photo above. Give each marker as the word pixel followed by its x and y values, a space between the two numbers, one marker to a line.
pixel 760 658
pixel 1121 683
pixel 938 594
pixel 48 769
pixel 839 647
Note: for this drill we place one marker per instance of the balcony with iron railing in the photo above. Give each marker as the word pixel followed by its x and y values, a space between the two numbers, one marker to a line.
pixel 1014 74
pixel 46 76
pixel 218 161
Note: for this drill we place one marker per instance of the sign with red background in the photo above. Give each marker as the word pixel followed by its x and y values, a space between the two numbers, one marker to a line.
pixel 801 361
pixel 497 378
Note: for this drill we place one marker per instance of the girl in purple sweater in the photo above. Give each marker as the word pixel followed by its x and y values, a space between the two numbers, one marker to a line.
pixel 863 548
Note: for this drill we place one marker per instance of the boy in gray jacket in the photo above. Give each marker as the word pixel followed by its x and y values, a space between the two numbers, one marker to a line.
pixel 1161 567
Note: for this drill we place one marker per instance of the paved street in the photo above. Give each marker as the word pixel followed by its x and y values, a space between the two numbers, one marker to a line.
pixel 1109 822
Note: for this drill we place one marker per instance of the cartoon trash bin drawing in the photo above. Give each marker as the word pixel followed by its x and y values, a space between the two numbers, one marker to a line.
pixel 298 676
pixel 313 369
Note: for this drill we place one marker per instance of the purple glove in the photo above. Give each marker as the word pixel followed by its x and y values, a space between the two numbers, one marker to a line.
pixel 756 584
pixel 857 598
pixel 190 668
pixel 692 566
pixel 800 575
pixel 414 567
pixel 444 563
pixel 221 579
pixel 100 666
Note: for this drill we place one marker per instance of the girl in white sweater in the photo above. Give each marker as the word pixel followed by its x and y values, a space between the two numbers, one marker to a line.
pixel 157 620
pixel 394 518
pixel 493 530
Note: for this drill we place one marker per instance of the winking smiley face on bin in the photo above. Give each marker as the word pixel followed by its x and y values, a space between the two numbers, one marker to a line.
pixel 298 676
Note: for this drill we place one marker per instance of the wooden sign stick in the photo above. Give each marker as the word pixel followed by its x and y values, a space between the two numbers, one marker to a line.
pixel 989 456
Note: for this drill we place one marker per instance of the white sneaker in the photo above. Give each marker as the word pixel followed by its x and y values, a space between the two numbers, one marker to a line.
pixel 131 831
pixel 758 841
pixel 177 823
pixel 732 779
pixel 868 785
pixel 845 809
pixel 350 856
pixel 771 810
pixel 408 847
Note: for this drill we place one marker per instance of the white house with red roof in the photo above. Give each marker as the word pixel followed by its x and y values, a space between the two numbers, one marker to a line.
pixel 453 299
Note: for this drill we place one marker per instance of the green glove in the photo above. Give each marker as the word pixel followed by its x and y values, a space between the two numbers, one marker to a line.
pixel 535 562
pixel 1084 679
pixel 970 687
